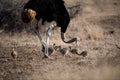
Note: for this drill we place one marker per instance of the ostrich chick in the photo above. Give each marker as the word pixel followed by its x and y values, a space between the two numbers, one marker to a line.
pixel 83 53
pixel 74 50
pixel 14 54
pixel 50 50
pixel 64 51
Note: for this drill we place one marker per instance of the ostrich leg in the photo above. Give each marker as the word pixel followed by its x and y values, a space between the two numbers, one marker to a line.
pixel 36 31
pixel 43 44
pixel 75 39
pixel 40 38
pixel 48 34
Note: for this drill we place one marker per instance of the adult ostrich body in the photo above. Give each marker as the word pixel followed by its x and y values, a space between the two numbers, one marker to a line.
pixel 47 10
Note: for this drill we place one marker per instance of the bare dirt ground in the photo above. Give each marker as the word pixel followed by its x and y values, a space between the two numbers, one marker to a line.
pixel 98 26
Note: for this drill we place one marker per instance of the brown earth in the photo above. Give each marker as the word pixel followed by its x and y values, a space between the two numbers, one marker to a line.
pixel 97 24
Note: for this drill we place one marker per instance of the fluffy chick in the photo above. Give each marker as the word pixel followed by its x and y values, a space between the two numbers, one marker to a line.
pixel 14 54
pixel 74 50
pixel 50 50
pixel 83 53
pixel 63 51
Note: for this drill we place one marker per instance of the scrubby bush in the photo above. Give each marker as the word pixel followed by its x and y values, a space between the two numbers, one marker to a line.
pixel 10 18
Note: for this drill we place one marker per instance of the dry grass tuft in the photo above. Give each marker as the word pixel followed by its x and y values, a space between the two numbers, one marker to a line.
pixel 94 32
pixel 86 31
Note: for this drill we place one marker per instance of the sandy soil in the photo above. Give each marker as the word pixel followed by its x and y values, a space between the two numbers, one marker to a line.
pixel 97 25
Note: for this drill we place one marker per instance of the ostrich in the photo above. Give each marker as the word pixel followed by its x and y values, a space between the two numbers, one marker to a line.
pixel 47 10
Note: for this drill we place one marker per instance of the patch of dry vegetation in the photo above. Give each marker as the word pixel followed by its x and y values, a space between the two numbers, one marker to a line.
pixel 101 63
pixel 94 32
pixel 85 30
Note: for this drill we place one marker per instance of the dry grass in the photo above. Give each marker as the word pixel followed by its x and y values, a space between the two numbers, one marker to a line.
pixel 101 63
pixel 86 31
pixel 94 32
